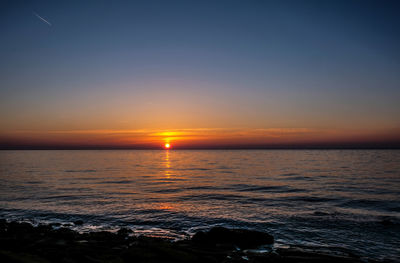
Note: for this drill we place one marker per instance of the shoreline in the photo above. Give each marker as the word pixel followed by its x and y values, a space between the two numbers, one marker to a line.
pixel 23 242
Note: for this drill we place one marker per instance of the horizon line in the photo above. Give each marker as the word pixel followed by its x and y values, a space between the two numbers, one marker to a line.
pixel 349 147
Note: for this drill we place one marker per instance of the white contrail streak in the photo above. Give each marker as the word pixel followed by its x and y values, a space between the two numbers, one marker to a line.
pixel 41 18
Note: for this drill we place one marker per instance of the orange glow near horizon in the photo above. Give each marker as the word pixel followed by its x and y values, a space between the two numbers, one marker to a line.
pixel 195 137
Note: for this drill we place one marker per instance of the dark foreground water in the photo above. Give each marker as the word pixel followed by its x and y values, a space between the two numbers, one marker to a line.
pixel 340 199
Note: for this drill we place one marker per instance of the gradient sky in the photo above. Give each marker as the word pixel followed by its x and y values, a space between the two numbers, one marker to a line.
pixel 199 73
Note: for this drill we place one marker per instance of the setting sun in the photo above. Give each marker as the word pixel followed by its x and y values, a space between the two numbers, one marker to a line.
pixel 167 146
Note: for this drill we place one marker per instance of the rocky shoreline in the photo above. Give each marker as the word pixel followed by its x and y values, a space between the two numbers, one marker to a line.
pixel 23 242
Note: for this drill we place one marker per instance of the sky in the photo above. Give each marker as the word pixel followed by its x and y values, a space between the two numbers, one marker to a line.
pixel 199 74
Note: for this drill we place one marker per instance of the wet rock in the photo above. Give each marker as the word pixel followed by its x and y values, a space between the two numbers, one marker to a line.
pixel 19 228
pixel 78 222
pixel 102 236
pixel 241 238
pixel 124 231
pixel 65 233
pixel 42 228
pixel 3 225
pixel 21 242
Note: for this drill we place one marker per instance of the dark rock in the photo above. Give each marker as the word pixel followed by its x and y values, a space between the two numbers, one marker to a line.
pixel 124 231
pixel 235 237
pixel 102 236
pixel 3 225
pixel 65 233
pixel 19 228
pixel 78 222
pixel 42 228
pixel 21 242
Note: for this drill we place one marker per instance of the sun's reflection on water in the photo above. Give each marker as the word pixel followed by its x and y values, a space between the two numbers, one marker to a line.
pixel 167 163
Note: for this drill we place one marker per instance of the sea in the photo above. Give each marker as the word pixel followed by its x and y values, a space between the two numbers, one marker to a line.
pixel 343 200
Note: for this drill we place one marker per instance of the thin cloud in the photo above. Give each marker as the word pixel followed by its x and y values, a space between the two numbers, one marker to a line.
pixel 41 18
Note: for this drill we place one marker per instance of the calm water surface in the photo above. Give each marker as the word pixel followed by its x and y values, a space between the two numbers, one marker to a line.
pixel 344 199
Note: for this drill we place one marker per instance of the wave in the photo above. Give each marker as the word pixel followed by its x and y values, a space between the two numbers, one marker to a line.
pixel 81 171
pixel 116 182
pixel 210 196
pixel 385 205
pixel 265 189
pixel 311 199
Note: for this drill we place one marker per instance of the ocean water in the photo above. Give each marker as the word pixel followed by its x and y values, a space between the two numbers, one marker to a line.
pixel 339 199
